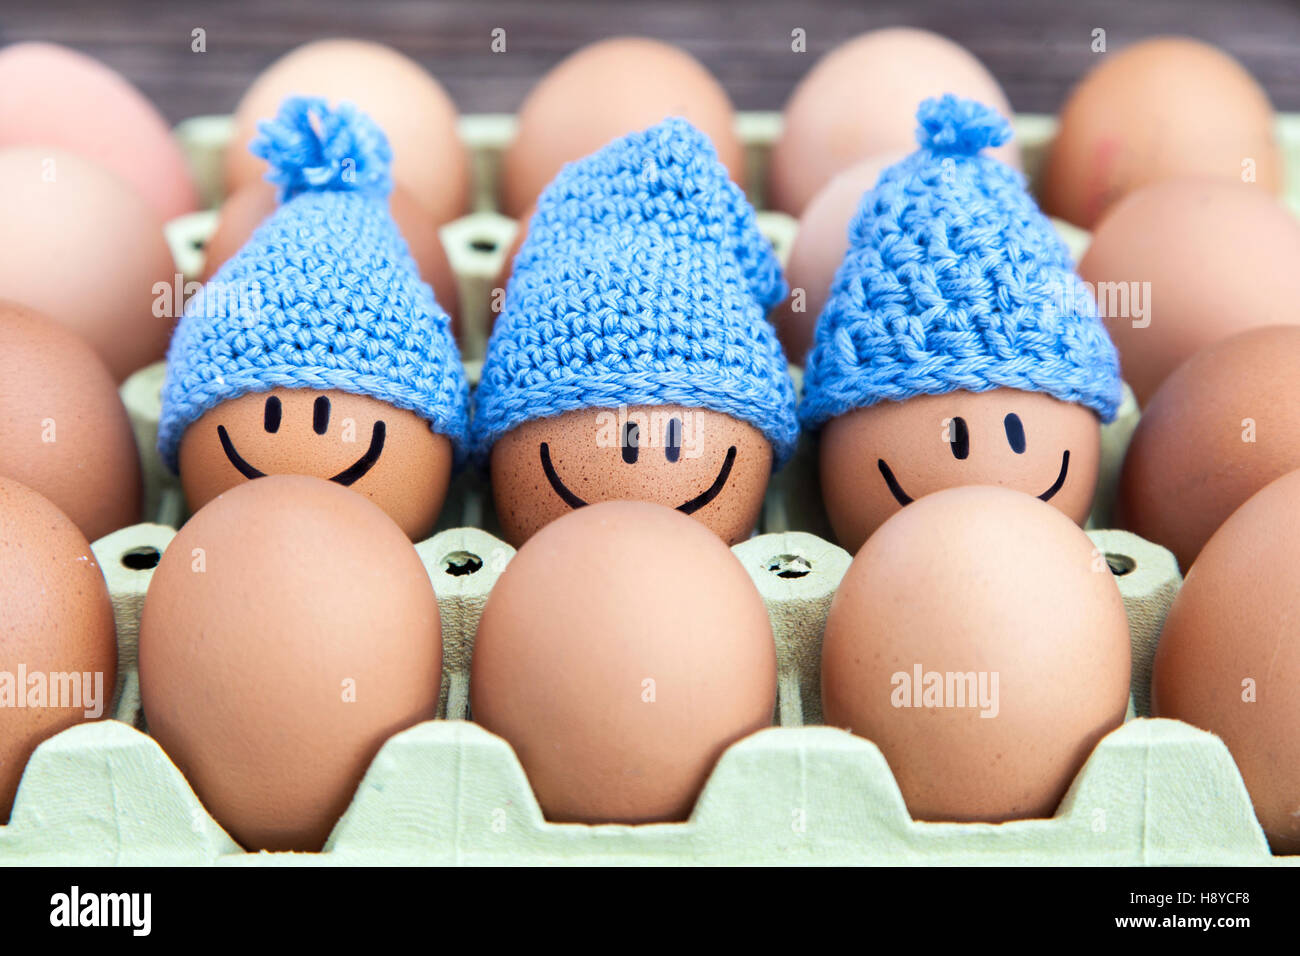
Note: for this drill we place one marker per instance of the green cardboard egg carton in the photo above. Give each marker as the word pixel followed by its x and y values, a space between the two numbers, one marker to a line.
pixel 1154 792
pixel 448 792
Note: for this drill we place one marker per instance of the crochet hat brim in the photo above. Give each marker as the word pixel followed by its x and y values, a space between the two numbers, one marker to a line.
pixel 572 392
pixel 205 397
pixel 1069 357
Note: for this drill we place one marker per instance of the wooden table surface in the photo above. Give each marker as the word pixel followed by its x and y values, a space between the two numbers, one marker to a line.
pixel 1037 48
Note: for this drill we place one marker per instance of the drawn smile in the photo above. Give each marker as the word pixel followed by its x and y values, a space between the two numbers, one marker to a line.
pixel 347 476
pixel 690 507
pixel 903 498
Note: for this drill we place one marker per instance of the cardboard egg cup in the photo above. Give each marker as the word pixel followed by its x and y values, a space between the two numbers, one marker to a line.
pixel 446 791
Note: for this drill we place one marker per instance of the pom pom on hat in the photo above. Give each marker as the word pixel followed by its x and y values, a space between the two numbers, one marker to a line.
pixel 953 280
pixel 312 148
pixel 956 127
pixel 643 280
pixel 323 296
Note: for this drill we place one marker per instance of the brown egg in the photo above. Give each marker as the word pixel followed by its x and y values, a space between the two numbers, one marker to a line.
pixel 63 428
pixel 403 99
pixel 819 248
pixel 979 640
pixel 1165 108
pixel 1220 428
pixel 58 648
pixel 1229 655
pixel 248 208
pixel 860 100
pixel 388 454
pixel 1178 265
pixel 55 96
pixel 83 247
pixel 289 630
pixel 602 92
pixel 621 652
pixel 703 463
pixel 877 459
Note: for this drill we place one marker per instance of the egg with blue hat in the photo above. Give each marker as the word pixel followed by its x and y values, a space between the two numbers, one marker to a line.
pixel 633 359
pixel 958 345
pixel 317 349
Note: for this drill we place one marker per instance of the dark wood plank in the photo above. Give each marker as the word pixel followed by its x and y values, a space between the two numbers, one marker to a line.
pixel 1036 48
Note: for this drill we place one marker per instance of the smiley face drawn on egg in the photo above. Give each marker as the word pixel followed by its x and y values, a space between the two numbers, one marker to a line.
pixel 879 459
pixel 388 454
pixel 960 441
pixel 700 462
pixel 271 418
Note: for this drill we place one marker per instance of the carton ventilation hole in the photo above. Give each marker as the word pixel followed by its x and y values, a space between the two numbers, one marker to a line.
pixel 789 566
pixel 141 559
pixel 483 245
pixel 1120 564
pixel 459 563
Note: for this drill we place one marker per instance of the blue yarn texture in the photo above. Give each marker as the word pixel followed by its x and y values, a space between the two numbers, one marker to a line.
pixel 643 281
pixel 955 280
pixel 325 295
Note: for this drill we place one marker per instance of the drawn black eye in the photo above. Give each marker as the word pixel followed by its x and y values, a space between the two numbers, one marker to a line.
pixel 631 437
pixel 673 439
pixel 1015 433
pixel 271 416
pixel 320 415
pixel 960 440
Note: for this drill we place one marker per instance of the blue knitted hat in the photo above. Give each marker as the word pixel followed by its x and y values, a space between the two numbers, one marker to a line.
pixel 643 281
pixel 325 295
pixel 955 280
